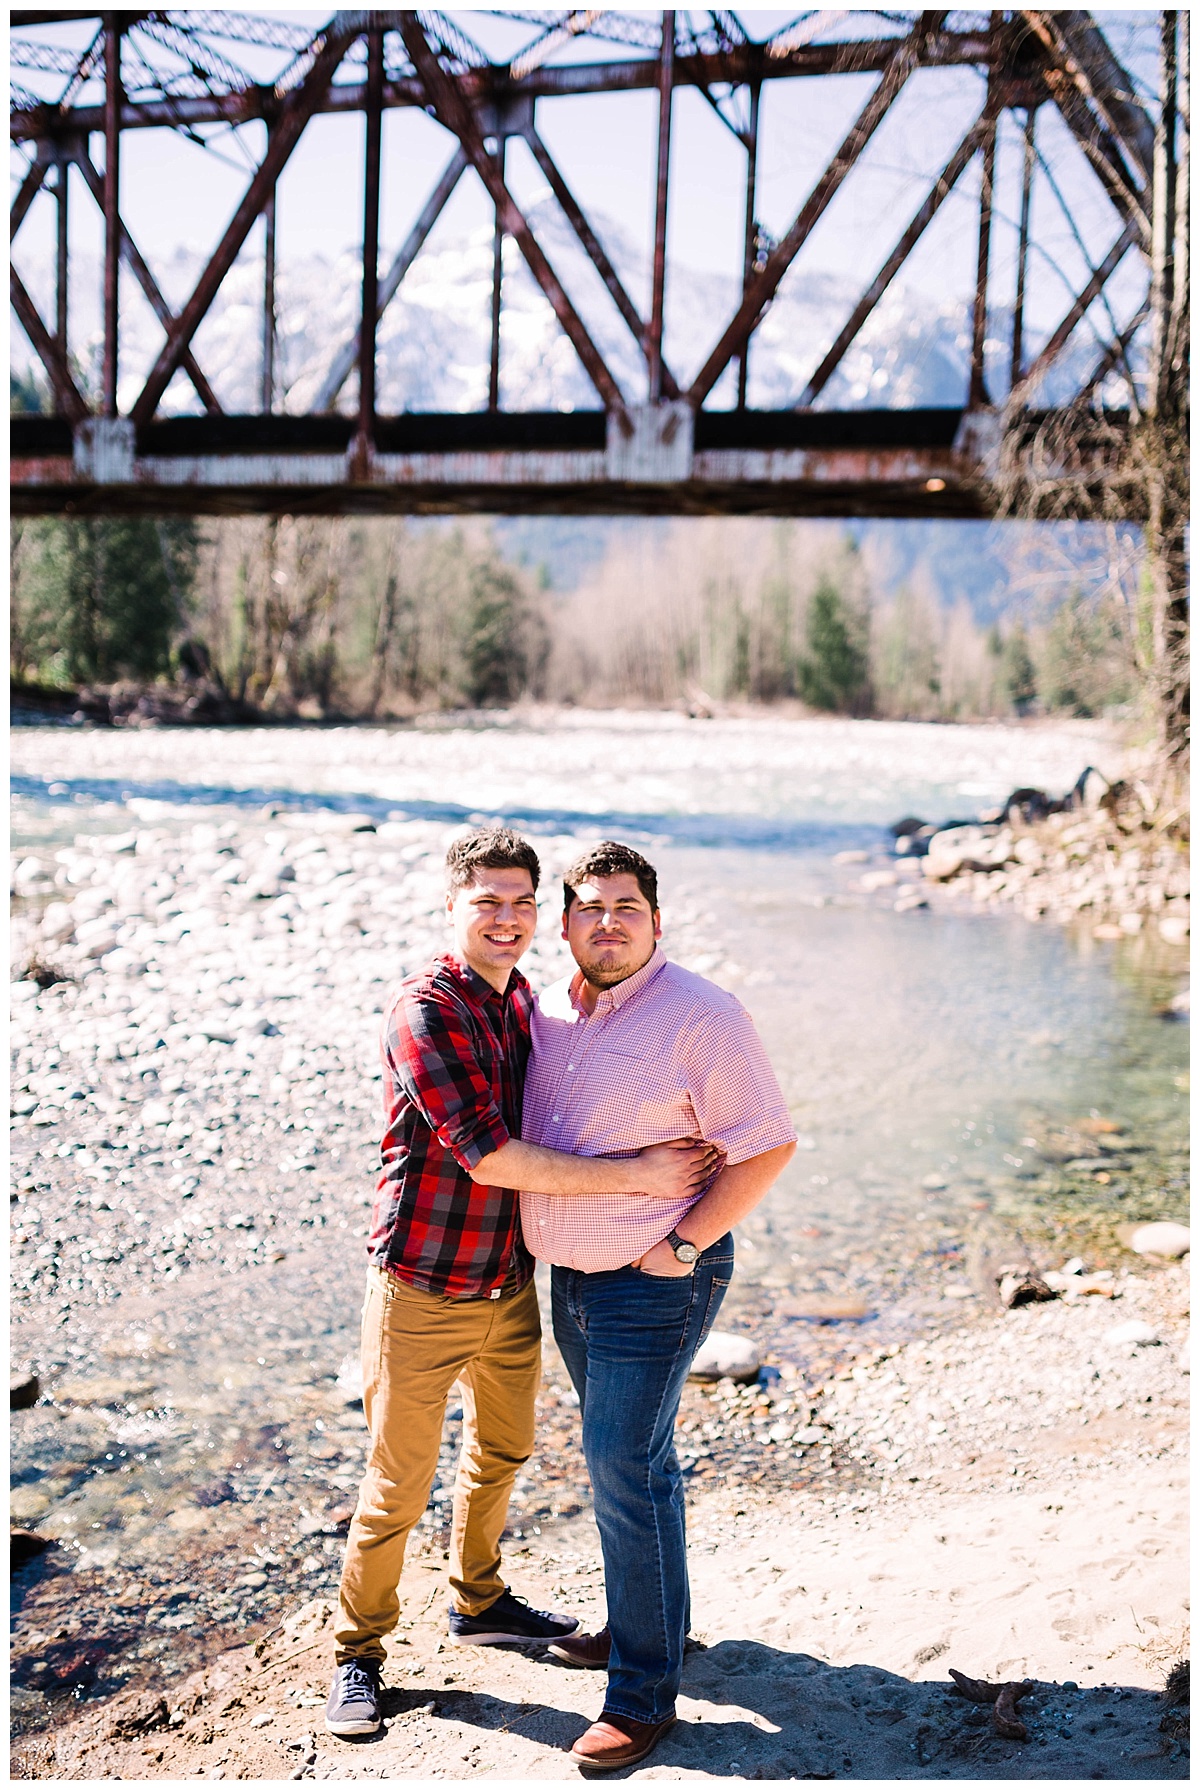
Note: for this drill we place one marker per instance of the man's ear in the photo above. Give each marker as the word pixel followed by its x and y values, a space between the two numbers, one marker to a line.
pixel 657 923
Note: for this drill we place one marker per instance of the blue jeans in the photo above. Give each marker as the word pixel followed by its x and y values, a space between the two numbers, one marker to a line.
pixel 628 1340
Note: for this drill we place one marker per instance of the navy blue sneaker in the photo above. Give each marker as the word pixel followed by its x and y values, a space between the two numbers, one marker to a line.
pixel 509 1619
pixel 353 1706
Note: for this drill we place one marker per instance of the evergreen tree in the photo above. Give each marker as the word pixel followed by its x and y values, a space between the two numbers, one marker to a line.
pixel 495 647
pixel 1018 674
pixel 833 675
pixel 98 599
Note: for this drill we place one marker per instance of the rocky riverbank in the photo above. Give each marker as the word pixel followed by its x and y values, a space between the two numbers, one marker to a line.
pixel 197 702
pixel 196 1005
pixel 1111 855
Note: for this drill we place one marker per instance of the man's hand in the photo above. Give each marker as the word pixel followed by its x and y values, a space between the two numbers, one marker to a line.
pixel 675 1169
pixel 663 1263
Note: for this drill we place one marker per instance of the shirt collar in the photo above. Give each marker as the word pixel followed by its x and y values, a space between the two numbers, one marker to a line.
pixel 476 984
pixel 610 999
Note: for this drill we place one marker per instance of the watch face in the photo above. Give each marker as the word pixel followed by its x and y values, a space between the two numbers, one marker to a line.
pixel 686 1252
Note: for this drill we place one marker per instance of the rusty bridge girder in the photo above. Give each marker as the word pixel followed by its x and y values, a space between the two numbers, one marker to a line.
pixel 669 452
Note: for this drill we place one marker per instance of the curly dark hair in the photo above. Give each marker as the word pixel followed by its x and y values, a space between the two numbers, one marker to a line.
pixel 491 848
pixel 610 858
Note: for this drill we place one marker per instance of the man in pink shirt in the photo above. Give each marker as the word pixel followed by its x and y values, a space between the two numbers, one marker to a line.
pixel 631 1051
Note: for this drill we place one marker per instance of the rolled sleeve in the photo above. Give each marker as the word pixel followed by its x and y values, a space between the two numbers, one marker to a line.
pixel 737 1100
pixel 435 1060
pixel 469 1141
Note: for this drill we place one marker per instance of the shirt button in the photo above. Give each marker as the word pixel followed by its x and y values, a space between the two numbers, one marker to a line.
pixel 570 1065
pixel 554 1121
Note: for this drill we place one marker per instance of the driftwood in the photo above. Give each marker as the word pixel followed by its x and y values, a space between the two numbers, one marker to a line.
pixel 1003 1699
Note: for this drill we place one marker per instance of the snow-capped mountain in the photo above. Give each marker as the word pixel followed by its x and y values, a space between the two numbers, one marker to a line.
pixel 434 337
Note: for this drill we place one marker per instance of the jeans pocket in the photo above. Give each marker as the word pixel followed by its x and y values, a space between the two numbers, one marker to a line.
pixel 718 1286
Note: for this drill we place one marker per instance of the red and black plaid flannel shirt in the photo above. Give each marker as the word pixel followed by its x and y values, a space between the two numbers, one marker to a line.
pixel 454 1056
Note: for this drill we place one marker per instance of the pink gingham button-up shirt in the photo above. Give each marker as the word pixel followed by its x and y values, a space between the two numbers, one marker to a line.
pixel 665 1054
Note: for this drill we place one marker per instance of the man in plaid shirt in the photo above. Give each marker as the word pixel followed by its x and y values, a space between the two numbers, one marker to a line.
pixel 450 1295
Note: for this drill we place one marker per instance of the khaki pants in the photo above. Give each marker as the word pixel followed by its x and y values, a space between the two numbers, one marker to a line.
pixel 415 1345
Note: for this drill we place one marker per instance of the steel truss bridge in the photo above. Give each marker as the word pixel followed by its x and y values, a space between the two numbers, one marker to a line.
pixel 659 449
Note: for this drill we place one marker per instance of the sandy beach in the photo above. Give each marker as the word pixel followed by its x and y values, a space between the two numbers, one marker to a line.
pixel 825 1625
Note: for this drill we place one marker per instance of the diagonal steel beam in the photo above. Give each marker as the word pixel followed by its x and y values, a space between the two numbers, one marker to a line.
pixel 1090 128
pixel 574 215
pixel 1118 351
pixel 453 111
pixel 762 289
pixel 70 399
pixel 27 192
pixel 1081 304
pixel 944 185
pixel 1083 53
pixel 145 279
pixel 1100 76
pixel 346 356
pixel 293 116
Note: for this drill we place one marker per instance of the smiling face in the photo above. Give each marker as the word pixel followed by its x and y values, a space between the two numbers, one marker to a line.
pixel 494 920
pixel 611 928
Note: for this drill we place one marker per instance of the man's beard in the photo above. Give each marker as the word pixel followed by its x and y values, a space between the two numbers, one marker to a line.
pixel 602 974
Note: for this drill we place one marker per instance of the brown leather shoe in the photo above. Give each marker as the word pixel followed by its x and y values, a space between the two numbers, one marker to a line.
pixel 617 1740
pixel 583 1650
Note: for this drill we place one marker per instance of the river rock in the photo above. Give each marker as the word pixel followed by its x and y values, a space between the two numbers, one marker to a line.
pixel 725 1357
pixel 1030 805
pixel 23 1390
pixel 1136 1333
pixel 141 1712
pixel 1022 1286
pixel 349 1382
pixel 1090 789
pixel 58 921
pixel 825 1307
pixel 25 1545
pixel 29 874
pixel 966 848
pixel 1163 1238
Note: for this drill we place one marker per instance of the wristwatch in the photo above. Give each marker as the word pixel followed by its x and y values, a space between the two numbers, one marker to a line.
pixel 685 1252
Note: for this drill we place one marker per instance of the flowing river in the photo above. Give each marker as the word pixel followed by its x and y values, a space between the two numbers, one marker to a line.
pixel 195 1117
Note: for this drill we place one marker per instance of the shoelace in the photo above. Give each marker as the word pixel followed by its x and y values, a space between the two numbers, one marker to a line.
pixel 522 1603
pixel 356 1678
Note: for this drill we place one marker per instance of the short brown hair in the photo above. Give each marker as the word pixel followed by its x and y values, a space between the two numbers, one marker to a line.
pixel 611 859
pixel 491 848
